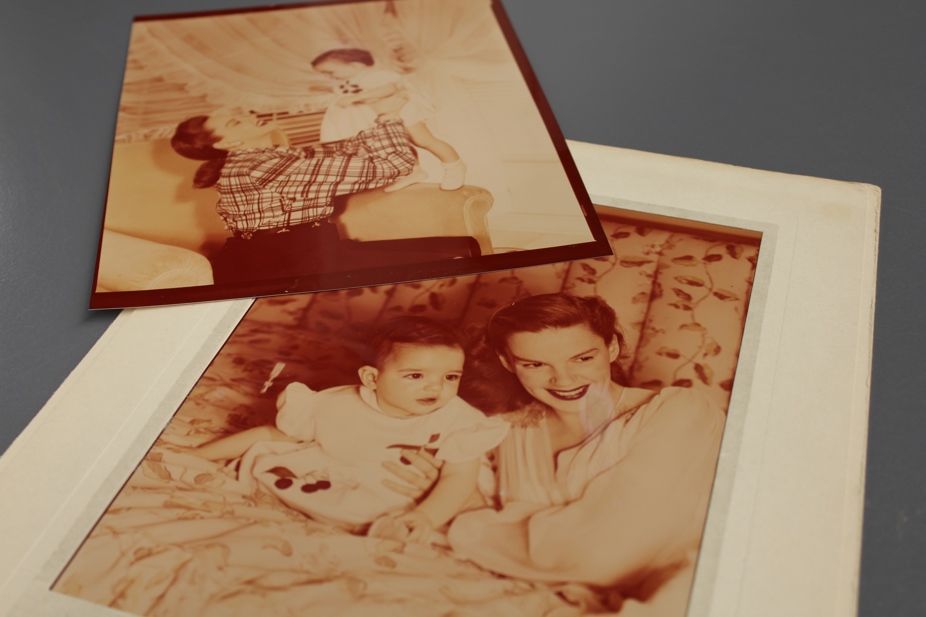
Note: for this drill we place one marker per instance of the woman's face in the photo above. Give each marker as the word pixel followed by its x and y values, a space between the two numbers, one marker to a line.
pixel 238 131
pixel 566 368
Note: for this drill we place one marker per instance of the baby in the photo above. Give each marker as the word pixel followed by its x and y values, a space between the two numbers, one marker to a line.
pixel 326 455
pixel 361 83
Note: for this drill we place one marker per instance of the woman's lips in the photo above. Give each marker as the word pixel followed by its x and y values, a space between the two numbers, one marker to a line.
pixel 569 395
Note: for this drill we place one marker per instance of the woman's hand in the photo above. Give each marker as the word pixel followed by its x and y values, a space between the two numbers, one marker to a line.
pixel 418 477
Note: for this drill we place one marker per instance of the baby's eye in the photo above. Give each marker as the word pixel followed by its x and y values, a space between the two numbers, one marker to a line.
pixel 414 376
pixel 453 377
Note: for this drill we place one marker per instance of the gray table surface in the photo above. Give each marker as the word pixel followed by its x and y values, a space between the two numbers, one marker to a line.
pixel 830 88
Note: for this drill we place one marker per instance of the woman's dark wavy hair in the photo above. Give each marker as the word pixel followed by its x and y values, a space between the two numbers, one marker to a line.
pixel 193 140
pixel 489 386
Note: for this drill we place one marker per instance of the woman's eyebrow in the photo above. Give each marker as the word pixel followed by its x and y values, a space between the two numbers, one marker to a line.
pixel 586 352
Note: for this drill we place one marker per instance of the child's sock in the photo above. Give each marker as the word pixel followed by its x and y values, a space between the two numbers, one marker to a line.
pixel 415 177
pixel 454 175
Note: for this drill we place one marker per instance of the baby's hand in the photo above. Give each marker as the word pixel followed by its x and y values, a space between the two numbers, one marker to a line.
pixel 419 526
pixel 410 527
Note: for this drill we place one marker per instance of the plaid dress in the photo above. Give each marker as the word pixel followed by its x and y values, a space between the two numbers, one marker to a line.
pixel 279 187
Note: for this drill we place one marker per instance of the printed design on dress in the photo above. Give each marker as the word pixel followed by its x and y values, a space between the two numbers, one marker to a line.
pixel 405 446
pixel 285 477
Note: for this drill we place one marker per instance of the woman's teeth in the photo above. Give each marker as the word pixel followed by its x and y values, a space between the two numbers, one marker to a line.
pixel 570 395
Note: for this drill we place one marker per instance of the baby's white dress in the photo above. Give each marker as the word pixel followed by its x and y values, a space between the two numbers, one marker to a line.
pixel 335 473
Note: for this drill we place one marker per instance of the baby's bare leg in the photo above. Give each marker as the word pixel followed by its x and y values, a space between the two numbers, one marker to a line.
pixel 233 446
pixel 454 168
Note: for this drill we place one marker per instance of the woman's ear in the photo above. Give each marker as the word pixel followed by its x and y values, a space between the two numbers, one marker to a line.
pixel 614 350
pixel 368 375
pixel 505 362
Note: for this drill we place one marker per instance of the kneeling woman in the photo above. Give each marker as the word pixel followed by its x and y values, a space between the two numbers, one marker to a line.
pixel 599 483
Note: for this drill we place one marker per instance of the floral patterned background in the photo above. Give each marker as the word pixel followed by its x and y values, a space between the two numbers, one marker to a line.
pixel 681 298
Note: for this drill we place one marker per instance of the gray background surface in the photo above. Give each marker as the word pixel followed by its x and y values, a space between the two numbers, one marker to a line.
pixel 831 88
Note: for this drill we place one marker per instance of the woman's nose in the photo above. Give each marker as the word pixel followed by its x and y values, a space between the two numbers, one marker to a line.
pixel 560 375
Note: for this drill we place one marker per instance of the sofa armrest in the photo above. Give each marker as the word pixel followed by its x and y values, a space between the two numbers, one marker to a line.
pixel 132 264
pixel 417 211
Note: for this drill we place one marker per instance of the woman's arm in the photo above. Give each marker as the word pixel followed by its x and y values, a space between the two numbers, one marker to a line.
pixel 235 445
pixel 417 478
pixel 456 484
pixel 644 513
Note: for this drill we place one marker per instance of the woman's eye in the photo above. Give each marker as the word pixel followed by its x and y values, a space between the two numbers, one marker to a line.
pixel 532 364
pixel 585 358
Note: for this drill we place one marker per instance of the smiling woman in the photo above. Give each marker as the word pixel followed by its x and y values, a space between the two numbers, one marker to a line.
pixel 599 483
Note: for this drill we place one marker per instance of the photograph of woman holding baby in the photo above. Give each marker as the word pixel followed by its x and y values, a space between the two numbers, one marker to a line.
pixel 309 147
pixel 536 442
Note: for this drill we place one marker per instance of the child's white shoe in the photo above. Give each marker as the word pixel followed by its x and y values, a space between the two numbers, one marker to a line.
pixel 415 177
pixel 454 175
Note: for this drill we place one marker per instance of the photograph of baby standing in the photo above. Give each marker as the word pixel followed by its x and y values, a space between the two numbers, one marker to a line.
pixel 538 441
pixel 329 145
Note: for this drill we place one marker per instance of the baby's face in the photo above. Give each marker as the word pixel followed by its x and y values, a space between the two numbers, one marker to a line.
pixel 416 381
pixel 336 69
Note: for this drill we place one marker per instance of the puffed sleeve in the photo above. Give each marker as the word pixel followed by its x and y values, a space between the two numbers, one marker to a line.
pixel 643 514
pixel 296 408
pixel 471 435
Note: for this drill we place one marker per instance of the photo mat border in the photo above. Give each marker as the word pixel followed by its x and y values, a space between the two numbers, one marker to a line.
pixel 695 188
pixel 167 407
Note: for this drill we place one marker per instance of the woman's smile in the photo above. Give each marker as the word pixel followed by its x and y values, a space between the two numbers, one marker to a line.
pixel 566 368
pixel 569 395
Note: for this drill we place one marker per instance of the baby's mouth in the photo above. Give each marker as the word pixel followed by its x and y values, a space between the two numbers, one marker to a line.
pixel 569 395
pixel 428 401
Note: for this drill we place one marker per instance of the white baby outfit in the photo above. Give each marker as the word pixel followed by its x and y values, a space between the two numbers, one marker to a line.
pixel 345 122
pixel 335 472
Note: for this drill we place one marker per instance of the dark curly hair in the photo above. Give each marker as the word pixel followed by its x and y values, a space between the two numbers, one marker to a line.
pixel 193 140
pixel 408 331
pixel 489 386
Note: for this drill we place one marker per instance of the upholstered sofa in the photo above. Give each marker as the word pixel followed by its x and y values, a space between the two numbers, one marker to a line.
pixel 159 231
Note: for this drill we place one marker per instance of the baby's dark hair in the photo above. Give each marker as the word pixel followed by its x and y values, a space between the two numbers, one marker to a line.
pixel 345 55
pixel 409 331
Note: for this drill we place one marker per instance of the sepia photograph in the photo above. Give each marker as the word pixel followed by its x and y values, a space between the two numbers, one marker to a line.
pixel 534 441
pixel 326 146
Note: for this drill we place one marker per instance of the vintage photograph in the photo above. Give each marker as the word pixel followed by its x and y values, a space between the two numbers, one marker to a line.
pixel 538 441
pixel 332 145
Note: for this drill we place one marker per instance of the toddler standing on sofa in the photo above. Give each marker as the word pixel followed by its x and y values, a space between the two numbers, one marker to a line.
pixel 359 82
pixel 325 455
